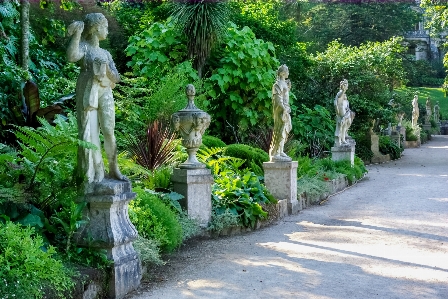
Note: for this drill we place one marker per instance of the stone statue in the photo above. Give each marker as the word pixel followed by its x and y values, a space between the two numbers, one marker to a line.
pixel 415 111
pixel 428 111
pixel 400 118
pixel 281 111
pixel 436 112
pixel 344 116
pixel 94 100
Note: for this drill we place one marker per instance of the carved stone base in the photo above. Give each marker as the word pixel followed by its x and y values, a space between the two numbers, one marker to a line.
pixel 109 228
pixel 344 152
pixel 280 179
pixel 196 186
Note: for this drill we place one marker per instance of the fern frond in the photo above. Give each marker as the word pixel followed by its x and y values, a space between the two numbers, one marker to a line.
pixel 11 46
pixel 7 10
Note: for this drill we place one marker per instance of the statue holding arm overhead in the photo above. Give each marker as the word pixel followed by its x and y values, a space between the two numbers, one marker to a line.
pixel 94 101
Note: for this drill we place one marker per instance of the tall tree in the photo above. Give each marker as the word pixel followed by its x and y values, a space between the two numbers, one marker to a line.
pixel 204 23
pixel 356 23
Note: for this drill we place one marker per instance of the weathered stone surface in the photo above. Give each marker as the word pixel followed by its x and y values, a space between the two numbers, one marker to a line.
pixel 281 180
pixel 191 124
pixel 378 157
pixel 344 116
pixel 281 114
pixel 94 99
pixel 109 228
pixel 196 186
pixel 344 152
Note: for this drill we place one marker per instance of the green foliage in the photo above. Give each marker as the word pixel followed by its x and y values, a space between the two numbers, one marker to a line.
pixel 242 195
pixel 156 50
pixel 155 220
pixel 27 271
pixel 254 157
pixel 141 100
pixel 240 85
pixel 235 191
pixel 148 250
pixel 412 132
pixel 224 220
pixel 315 128
pixel 211 141
pixel 352 173
pixel 47 161
pixel 387 146
pixel 203 24
pixel 355 22
pixel 372 70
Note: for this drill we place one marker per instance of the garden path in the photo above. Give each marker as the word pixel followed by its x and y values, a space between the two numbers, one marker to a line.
pixel 386 237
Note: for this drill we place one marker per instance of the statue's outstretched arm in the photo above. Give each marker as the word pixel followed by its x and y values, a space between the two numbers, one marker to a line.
pixel 74 52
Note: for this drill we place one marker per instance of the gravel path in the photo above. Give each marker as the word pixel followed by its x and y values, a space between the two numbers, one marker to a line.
pixel 386 237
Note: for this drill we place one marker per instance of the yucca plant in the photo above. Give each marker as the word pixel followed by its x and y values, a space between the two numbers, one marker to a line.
pixel 155 148
pixel 204 22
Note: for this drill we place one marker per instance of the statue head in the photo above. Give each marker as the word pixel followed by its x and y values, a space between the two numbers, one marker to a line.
pixel 283 71
pixel 93 23
pixel 343 84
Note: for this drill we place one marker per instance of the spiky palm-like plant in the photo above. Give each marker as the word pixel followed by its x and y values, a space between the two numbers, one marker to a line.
pixel 156 148
pixel 204 22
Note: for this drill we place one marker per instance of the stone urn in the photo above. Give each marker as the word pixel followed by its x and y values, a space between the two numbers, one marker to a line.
pixel 191 124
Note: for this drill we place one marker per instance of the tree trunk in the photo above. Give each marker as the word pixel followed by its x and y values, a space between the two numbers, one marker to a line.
pixel 24 45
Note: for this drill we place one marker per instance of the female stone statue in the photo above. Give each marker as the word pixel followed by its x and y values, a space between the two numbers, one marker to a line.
pixel 281 111
pixel 415 111
pixel 436 112
pixel 428 111
pixel 344 116
pixel 94 100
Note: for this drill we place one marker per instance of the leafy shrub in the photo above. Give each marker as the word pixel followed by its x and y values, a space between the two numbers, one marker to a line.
pixel 26 270
pixel 211 141
pixel 241 194
pixel 234 191
pixel 148 250
pixel 155 220
pixel 158 48
pixel 254 156
pixel 352 173
pixel 387 146
pixel 240 84
pixel 410 134
pixel 312 186
pixel 315 128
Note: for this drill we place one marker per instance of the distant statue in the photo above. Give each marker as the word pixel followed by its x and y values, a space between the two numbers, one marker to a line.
pixel 415 111
pixel 94 101
pixel 281 115
pixel 344 116
pixel 400 118
pixel 428 111
pixel 436 112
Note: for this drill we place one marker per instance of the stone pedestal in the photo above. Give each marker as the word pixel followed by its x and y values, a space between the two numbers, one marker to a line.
pixel 109 228
pixel 344 152
pixel 280 179
pixel 378 157
pixel 395 137
pixel 196 186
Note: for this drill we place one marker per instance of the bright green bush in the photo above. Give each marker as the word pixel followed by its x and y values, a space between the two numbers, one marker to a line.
pixel 235 191
pixel 240 85
pixel 254 156
pixel 26 270
pixel 211 141
pixel 154 220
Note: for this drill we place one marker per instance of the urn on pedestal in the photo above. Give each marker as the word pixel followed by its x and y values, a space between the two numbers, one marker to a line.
pixel 191 122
